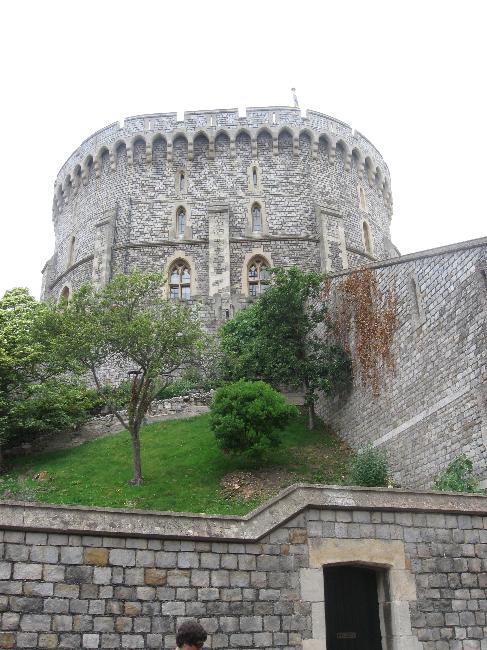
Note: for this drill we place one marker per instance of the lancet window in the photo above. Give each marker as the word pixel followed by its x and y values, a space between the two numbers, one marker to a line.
pixel 367 238
pixel 255 178
pixel 65 295
pixel 181 221
pixel 182 182
pixel 361 194
pixel 72 242
pixel 256 218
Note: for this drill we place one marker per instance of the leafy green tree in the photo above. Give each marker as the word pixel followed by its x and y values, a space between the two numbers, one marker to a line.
pixel 22 358
pixel 240 345
pixel 246 417
pixel 280 338
pixel 128 321
pixel 55 405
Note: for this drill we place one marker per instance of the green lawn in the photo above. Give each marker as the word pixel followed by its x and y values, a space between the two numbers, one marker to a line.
pixel 181 465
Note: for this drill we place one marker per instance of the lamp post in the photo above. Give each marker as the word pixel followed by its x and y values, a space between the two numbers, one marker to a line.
pixel 133 375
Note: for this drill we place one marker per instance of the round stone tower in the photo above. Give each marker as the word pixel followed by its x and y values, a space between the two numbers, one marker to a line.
pixel 215 200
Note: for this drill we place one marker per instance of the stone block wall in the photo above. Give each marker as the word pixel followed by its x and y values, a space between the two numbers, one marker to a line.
pixel 98 578
pixel 434 405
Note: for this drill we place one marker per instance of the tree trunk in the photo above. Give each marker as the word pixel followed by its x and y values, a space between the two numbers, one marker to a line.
pixel 311 415
pixel 310 404
pixel 137 480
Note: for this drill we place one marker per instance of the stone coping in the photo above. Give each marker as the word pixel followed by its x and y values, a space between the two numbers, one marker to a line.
pixel 249 528
pixel 411 257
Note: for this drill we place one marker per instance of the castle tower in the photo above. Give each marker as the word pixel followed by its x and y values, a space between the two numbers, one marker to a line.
pixel 215 200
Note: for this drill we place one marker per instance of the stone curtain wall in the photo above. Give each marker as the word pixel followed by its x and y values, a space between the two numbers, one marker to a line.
pixel 81 578
pixel 435 405
pixel 118 193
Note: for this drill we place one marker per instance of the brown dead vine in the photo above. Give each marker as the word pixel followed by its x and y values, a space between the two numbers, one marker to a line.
pixel 364 320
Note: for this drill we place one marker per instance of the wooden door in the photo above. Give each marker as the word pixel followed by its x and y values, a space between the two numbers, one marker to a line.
pixel 351 609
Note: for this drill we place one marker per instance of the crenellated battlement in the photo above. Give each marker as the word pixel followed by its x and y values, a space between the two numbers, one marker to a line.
pixel 218 189
pixel 325 134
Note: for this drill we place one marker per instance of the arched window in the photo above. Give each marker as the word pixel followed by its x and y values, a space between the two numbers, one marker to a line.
pixel 180 280
pixel 367 238
pixel 258 276
pixel 256 218
pixel 64 295
pixel 254 176
pixel 181 182
pixel 180 221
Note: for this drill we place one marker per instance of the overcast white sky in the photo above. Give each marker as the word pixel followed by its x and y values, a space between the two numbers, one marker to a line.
pixel 411 76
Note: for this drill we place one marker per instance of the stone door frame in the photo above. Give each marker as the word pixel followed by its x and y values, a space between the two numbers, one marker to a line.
pixel 396 587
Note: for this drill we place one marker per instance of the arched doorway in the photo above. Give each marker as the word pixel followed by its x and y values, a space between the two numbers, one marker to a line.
pixel 352 608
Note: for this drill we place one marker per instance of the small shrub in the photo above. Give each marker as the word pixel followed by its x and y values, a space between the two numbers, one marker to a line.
pixel 369 468
pixel 51 407
pixel 177 388
pixel 246 417
pixel 457 477
pixel 190 380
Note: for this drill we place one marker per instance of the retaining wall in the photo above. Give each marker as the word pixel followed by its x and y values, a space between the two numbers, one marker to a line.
pixel 434 405
pixel 74 577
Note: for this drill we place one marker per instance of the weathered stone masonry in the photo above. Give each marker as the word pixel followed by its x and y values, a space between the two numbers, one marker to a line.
pixel 317 184
pixel 434 406
pixel 325 202
pixel 74 577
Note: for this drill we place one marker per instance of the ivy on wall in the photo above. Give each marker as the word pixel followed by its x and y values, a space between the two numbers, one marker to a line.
pixel 364 320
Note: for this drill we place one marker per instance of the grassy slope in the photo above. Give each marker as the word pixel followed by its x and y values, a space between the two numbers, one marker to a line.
pixel 181 465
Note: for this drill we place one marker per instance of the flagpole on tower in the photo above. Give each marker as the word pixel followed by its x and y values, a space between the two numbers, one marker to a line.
pixel 295 98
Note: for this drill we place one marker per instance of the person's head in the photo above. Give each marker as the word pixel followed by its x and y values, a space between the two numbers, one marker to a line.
pixel 190 634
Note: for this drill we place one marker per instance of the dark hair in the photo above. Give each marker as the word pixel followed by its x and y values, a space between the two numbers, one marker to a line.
pixel 191 633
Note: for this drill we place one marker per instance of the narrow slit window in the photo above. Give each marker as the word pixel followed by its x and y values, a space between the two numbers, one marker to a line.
pixel 256 218
pixel 72 242
pixel 417 311
pixel 254 176
pixel 182 182
pixel 367 238
pixel 180 281
pixel 362 198
pixel 415 295
pixel 181 222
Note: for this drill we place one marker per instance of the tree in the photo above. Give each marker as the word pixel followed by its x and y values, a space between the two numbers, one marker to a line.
pixel 35 398
pixel 240 345
pixel 22 358
pixel 128 321
pixel 280 339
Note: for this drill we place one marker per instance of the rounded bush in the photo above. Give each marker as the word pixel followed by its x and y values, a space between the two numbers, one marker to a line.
pixel 369 468
pixel 246 417
pixel 458 477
